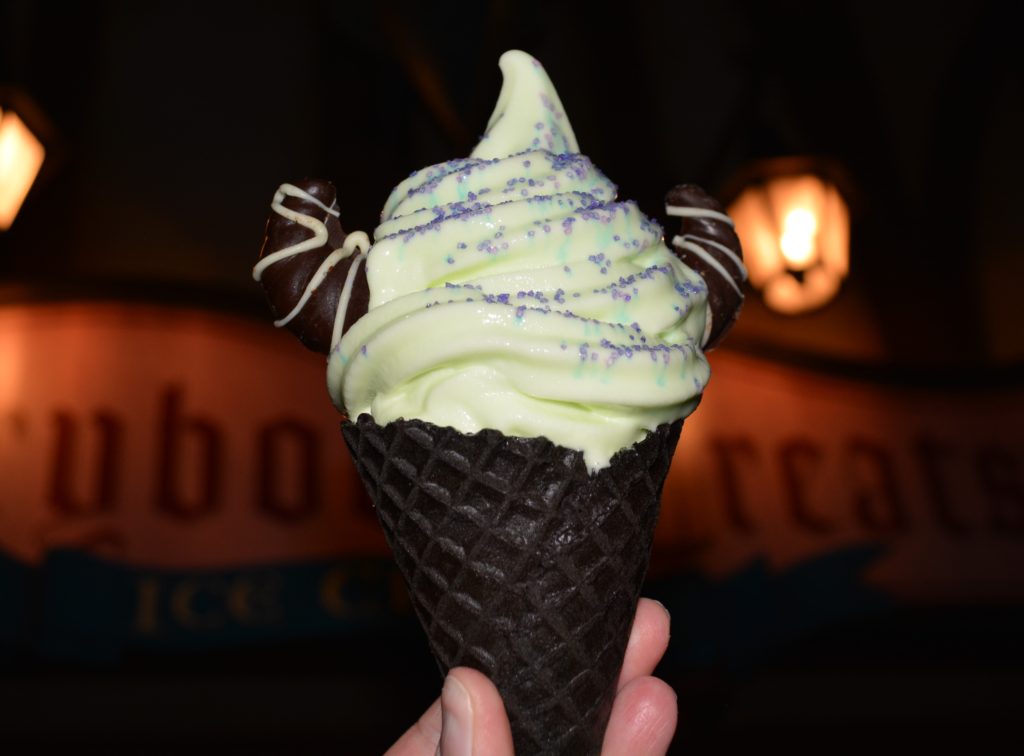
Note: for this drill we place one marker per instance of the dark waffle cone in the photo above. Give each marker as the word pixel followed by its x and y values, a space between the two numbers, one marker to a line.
pixel 519 562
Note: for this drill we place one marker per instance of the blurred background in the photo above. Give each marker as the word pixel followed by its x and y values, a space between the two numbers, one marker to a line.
pixel 187 563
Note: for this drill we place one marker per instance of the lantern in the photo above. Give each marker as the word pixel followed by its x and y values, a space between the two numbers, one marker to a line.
pixel 794 225
pixel 21 157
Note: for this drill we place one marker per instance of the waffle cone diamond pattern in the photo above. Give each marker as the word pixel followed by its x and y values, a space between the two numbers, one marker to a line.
pixel 520 563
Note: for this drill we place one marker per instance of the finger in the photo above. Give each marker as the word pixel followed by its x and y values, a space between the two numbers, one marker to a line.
pixel 473 719
pixel 422 738
pixel 647 641
pixel 643 719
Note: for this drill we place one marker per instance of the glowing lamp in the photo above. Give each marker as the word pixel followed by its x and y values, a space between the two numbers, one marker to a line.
pixel 795 229
pixel 21 157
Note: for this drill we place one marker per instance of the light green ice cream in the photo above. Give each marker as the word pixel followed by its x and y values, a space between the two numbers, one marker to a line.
pixel 509 290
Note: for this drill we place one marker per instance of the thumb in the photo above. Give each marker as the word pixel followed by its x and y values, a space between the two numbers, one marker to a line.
pixel 473 719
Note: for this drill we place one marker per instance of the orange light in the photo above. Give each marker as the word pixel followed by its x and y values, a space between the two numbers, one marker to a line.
pixel 798 242
pixel 795 231
pixel 21 157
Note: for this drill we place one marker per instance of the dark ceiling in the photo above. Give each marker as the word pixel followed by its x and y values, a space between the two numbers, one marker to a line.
pixel 176 122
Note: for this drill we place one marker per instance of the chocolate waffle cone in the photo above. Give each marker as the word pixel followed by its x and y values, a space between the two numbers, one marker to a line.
pixel 519 562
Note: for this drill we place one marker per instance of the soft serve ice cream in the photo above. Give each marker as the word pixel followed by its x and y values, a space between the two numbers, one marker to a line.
pixel 512 290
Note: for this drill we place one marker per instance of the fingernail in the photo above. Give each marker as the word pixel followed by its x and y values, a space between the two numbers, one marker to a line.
pixel 456 719
pixel 664 609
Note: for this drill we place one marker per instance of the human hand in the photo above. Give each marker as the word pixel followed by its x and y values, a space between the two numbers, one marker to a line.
pixel 469 718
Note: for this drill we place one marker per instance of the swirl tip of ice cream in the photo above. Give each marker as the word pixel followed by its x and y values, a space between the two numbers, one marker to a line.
pixel 529 113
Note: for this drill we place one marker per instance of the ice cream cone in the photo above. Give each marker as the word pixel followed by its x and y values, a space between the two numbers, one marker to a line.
pixel 520 562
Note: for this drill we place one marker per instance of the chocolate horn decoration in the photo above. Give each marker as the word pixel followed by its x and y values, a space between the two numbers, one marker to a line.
pixel 309 268
pixel 708 244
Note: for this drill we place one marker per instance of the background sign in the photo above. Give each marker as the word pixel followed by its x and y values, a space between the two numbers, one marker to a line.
pixel 182 472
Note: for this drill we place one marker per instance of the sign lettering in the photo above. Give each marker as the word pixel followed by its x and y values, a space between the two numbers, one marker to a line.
pixel 184 439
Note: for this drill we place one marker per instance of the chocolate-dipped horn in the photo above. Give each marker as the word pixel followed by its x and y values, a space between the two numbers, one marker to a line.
pixel 309 268
pixel 708 244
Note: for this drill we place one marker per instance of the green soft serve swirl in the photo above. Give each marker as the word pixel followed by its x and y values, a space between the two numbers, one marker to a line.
pixel 511 290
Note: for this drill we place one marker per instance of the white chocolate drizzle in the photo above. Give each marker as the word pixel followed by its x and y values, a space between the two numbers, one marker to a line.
pixel 355 240
pixel 689 242
pixel 686 211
